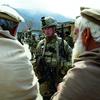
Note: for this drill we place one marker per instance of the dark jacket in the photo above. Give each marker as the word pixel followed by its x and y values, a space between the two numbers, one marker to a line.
pixel 82 82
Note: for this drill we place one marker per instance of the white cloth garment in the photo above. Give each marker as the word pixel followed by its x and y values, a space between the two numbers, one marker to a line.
pixel 17 77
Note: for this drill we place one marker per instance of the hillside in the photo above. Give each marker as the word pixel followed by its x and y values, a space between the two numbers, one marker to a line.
pixel 33 17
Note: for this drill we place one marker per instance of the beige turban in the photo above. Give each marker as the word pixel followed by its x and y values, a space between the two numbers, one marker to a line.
pixel 91 14
pixel 9 13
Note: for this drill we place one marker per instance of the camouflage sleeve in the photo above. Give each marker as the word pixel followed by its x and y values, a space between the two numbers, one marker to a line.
pixel 39 49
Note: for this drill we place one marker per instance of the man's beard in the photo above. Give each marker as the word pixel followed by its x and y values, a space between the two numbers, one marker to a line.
pixel 78 49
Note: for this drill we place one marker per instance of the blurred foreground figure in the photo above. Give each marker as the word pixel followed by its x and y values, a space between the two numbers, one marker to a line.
pixel 83 81
pixel 17 78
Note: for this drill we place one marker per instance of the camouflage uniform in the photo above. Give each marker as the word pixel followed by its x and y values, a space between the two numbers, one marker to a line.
pixel 56 64
pixel 51 63
pixel 33 44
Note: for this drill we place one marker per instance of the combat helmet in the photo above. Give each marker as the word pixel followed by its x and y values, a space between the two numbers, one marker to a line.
pixel 48 21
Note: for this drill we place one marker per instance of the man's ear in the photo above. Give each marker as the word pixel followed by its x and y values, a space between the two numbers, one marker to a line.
pixel 86 35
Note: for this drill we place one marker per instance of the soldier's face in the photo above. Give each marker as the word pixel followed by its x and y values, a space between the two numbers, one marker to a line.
pixel 49 31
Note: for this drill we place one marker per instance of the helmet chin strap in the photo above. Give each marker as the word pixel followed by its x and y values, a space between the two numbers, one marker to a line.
pixel 49 38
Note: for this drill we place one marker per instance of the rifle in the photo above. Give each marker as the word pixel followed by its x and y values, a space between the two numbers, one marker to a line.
pixel 62 51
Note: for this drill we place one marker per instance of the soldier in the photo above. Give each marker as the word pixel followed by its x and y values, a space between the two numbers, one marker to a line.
pixel 33 44
pixel 50 63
